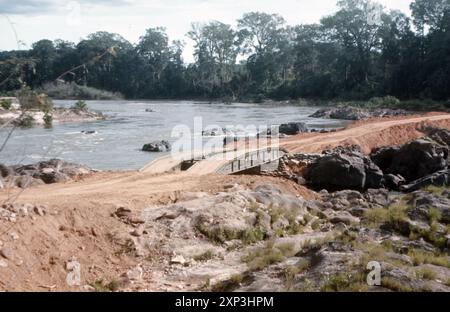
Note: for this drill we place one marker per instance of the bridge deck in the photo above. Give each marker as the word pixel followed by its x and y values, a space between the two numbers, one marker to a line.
pixel 227 162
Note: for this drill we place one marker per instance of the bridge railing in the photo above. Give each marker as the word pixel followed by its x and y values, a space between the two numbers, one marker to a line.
pixel 251 160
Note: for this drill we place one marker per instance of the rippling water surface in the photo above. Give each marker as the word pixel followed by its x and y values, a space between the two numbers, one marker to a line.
pixel 118 140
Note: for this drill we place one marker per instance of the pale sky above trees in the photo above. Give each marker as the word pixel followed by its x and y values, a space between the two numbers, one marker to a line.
pixel 71 20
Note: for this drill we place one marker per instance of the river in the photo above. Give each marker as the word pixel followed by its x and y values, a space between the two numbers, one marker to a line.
pixel 117 141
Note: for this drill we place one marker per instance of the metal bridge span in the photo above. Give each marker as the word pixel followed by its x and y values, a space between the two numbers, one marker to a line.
pixel 226 162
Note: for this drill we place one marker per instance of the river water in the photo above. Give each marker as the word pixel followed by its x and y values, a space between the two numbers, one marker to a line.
pixel 117 143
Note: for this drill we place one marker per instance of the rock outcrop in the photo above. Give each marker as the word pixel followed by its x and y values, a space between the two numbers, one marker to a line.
pixel 413 160
pixel 440 178
pixel 293 128
pixel 355 113
pixel 44 172
pixel 343 169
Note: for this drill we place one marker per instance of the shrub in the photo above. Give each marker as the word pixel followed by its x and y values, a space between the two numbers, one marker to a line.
pixel 6 104
pixel 427 274
pixel 73 91
pixel 26 121
pixel 230 284
pixel 48 120
pixel 80 106
pixel 30 99
pixel 347 281
pixel 101 286
pixel 261 258
pixel 207 255
pixel 393 215
pixel 387 101
pixel 421 257
pixel 394 285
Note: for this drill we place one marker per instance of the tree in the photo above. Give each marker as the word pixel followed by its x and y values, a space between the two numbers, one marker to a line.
pixel 261 32
pixel 216 48
pixel 45 53
pixel 356 30
pixel 97 54
pixel 268 42
pixel 429 13
pixel 156 53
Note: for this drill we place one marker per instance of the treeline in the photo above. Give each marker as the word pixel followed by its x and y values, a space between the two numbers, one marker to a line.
pixel 359 52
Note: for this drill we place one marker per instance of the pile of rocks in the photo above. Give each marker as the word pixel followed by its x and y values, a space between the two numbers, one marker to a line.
pixel 11 212
pixel 356 113
pixel 407 168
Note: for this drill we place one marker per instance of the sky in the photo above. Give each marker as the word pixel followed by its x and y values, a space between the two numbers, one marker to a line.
pixel 23 22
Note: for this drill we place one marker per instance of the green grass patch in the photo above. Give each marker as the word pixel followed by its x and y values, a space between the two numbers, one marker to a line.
pixel 207 255
pixel 395 285
pixel 426 273
pixel 420 257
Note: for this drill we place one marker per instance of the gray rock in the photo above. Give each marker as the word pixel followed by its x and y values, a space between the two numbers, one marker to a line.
pixel 378 197
pixel 344 217
pixel 356 113
pixel 440 178
pixel 293 128
pixel 423 201
pixel 394 182
pixel 442 136
pixel 157 147
pixel 358 212
pixel 51 171
pixel 343 170
pixel 414 160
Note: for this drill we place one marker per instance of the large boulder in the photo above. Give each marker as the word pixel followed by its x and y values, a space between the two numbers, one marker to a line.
pixel 293 128
pixel 339 171
pixel 383 157
pixel 157 147
pixel 414 160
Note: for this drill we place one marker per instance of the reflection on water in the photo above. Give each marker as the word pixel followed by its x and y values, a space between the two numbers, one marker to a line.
pixel 117 141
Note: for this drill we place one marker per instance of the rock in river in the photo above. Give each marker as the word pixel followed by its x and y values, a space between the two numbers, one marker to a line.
pixel 157 146
pixel 293 128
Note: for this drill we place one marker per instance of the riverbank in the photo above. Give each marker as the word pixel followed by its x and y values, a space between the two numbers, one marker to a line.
pixel 73 91
pixel 16 117
pixel 177 231
pixel 377 103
